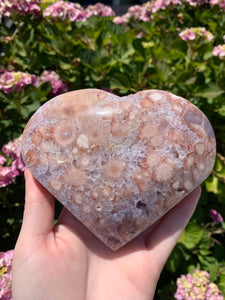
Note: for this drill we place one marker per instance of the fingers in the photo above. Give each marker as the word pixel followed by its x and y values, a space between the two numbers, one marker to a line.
pixel 164 237
pixel 38 216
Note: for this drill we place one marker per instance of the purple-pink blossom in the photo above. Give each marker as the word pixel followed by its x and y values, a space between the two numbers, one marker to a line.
pixel 197 286
pixel 196 3
pixel 99 9
pixel 195 32
pixel 219 51
pixel 216 217
pixel 65 10
pixel 2 160
pixel 6 275
pixel 11 81
pixel 23 7
pixel 163 4
pixel 6 176
pixel 58 86
pixel 220 3
pixel 136 12
pixel 74 11
pixel 17 167
pixel 145 11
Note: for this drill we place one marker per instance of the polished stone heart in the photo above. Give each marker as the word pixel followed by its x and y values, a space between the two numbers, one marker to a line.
pixel 119 164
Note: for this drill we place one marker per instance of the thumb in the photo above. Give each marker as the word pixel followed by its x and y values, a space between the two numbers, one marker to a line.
pixel 39 209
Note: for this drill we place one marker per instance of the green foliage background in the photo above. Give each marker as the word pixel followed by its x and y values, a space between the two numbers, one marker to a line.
pixel 126 58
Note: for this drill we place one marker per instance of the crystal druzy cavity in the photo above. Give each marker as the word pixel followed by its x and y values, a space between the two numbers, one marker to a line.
pixel 119 164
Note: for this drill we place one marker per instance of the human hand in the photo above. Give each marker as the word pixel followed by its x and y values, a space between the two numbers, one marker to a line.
pixel 66 261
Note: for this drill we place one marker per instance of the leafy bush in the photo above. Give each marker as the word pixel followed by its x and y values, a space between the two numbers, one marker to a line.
pixel 48 48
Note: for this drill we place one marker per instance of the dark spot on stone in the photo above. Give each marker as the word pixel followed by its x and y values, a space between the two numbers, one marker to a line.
pixel 143 207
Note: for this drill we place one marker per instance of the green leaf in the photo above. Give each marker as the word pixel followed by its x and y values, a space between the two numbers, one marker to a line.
pixel 207 55
pixel 64 65
pixel 212 91
pixel 213 268
pixel 223 225
pixel 26 110
pixel 114 28
pixel 174 260
pixel 137 44
pixel 221 110
pixel 148 44
pixel 191 236
pixel 212 184
pixel 88 57
pixel 221 283
pixel 119 81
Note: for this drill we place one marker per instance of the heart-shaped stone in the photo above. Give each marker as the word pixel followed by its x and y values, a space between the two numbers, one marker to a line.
pixel 119 164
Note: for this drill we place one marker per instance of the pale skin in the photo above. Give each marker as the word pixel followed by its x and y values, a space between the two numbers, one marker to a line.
pixel 65 261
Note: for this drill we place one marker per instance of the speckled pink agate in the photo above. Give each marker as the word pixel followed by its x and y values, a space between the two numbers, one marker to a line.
pixel 119 164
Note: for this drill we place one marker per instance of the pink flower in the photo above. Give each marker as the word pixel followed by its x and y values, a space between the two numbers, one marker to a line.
pixel 216 217
pixel 195 32
pixel 159 4
pixel 197 286
pixel 2 160
pixel 187 35
pixel 8 77
pixel 24 80
pixel 58 86
pixel 23 7
pixel 220 3
pixel 219 51
pixel 6 274
pixel 214 2
pixel 65 10
pixel 99 9
pixel 136 12
pixel 6 176
pixel 10 80
pixel 195 3
pixel 121 20
pixel 8 173
pixel 35 10
pixel 72 14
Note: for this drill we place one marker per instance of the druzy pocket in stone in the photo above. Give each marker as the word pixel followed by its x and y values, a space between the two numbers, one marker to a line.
pixel 119 163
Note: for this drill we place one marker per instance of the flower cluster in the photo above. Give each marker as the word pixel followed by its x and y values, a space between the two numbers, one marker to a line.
pixel 195 3
pixel 144 12
pixel 195 32
pixel 6 275
pixel 65 10
pixel 9 81
pixel 74 11
pixel 219 51
pixel 99 9
pixel 216 217
pixel 163 4
pixel 220 3
pixel 197 286
pixel 17 167
pixel 23 7
pixel 136 12
pixel 58 87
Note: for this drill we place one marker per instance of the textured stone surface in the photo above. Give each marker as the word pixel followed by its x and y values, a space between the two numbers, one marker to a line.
pixel 119 164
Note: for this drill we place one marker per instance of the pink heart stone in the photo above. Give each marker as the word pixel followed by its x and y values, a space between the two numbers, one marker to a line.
pixel 119 164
